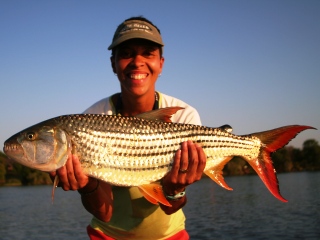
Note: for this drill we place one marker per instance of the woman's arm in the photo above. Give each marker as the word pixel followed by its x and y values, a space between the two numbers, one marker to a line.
pixel 188 166
pixel 96 196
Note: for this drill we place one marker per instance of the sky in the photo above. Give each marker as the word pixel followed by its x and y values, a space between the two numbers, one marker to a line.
pixel 254 65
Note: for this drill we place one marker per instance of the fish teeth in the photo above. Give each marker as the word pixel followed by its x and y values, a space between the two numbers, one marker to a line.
pixel 10 147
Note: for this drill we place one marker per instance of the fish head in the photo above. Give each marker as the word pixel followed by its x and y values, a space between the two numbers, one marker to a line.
pixel 41 147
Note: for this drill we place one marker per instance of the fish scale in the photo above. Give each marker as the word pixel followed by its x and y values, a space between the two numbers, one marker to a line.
pixel 115 148
pixel 139 151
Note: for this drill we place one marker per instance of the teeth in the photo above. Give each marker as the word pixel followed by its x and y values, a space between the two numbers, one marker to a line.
pixel 11 147
pixel 138 76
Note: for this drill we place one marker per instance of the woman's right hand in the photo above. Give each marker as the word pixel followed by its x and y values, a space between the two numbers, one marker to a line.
pixel 71 176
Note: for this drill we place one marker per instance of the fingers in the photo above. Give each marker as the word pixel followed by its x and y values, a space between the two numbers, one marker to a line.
pixel 184 159
pixel 193 163
pixel 71 176
pixel 52 175
pixel 197 162
pixel 180 164
pixel 80 177
pixel 63 174
pixel 187 168
pixel 176 164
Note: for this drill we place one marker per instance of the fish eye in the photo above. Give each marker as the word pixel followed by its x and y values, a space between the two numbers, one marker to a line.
pixel 31 136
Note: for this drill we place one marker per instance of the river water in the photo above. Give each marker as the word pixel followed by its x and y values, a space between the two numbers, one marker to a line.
pixel 247 212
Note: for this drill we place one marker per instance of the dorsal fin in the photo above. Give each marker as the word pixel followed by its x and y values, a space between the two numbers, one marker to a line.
pixel 162 114
pixel 226 128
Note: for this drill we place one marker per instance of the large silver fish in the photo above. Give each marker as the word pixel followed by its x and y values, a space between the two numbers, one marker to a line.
pixel 139 151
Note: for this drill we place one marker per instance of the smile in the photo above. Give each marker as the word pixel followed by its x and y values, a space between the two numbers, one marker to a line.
pixel 138 76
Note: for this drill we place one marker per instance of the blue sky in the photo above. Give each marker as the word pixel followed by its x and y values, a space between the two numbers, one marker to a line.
pixel 252 64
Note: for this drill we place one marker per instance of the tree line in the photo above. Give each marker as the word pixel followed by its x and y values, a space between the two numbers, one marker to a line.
pixel 15 174
pixel 287 159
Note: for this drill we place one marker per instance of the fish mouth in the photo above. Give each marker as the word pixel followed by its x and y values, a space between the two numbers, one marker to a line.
pixel 12 149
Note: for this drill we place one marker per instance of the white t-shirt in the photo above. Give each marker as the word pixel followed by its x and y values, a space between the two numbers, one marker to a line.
pixel 133 217
pixel 188 115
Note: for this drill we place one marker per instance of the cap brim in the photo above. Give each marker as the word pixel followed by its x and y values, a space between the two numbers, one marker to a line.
pixel 134 36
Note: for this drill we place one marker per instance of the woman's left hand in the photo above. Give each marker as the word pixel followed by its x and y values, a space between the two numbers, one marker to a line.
pixel 188 165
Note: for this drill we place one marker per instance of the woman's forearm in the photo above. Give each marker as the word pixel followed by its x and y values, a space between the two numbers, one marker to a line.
pixel 97 199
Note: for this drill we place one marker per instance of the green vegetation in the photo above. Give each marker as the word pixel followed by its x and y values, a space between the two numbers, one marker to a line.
pixel 12 173
pixel 287 159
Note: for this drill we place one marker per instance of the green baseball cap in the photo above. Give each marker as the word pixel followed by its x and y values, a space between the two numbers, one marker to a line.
pixel 135 29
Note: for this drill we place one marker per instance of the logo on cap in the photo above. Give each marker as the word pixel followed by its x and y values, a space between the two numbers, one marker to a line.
pixel 135 27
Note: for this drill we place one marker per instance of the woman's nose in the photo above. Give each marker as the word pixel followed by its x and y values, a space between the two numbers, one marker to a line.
pixel 138 60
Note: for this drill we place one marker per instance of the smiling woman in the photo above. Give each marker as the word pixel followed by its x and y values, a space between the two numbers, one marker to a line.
pixel 123 212
pixel 59 48
pixel 138 63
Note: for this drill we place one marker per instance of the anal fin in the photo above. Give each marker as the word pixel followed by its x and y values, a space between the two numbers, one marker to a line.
pixel 215 173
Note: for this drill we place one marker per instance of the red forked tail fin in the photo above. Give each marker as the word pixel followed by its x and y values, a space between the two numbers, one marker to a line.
pixel 273 140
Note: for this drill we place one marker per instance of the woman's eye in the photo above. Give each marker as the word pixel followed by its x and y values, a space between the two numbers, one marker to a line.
pixel 125 54
pixel 148 54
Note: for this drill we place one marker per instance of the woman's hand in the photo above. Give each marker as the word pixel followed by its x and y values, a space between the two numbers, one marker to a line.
pixel 71 176
pixel 187 168
pixel 96 196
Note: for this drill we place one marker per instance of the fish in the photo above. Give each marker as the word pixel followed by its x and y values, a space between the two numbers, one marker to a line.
pixel 139 150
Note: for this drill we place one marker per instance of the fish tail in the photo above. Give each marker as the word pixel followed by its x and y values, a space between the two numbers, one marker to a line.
pixel 273 140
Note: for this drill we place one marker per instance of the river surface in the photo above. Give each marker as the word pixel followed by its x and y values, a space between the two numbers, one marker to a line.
pixel 247 212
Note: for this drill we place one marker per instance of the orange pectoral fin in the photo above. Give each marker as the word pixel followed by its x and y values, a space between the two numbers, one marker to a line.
pixel 154 194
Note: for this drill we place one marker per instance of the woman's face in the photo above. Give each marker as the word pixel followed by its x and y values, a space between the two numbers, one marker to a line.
pixel 137 63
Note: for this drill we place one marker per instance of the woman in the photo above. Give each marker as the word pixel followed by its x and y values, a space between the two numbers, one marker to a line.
pixel 122 212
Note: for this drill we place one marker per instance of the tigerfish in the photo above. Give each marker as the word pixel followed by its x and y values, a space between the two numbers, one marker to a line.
pixel 139 151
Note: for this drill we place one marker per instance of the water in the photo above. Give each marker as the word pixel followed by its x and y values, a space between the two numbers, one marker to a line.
pixel 28 213
pixel 247 212
pixel 251 212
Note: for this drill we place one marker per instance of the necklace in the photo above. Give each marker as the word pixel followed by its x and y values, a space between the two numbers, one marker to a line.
pixel 119 104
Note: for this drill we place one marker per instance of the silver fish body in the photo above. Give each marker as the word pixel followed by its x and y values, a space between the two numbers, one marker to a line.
pixel 133 151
